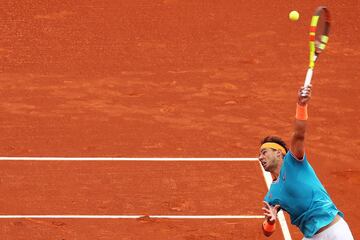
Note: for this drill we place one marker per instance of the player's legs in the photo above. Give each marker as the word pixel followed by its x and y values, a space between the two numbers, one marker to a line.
pixel 339 231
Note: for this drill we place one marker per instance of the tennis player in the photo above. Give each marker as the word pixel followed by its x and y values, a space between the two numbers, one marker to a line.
pixel 295 188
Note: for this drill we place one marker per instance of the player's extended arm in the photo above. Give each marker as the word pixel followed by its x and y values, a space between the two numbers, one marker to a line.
pixel 298 138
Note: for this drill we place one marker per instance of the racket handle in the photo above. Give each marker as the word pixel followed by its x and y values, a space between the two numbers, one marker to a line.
pixel 308 77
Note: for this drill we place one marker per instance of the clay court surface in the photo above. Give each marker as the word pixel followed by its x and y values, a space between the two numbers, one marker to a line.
pixel 169 78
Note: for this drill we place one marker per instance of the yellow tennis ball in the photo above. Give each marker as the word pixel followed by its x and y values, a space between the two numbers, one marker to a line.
pixel 294 16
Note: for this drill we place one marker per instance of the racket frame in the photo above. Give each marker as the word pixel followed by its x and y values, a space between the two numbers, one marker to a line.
pixel 312 44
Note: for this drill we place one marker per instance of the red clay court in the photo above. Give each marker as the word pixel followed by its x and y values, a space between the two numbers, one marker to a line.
pixel 165 79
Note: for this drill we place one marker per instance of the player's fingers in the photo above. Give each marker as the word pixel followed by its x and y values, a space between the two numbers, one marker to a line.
pixel 305 92
pixel 266 210
pixel 267 214
pixel 306 88
pixel 266 204
pixel 303 89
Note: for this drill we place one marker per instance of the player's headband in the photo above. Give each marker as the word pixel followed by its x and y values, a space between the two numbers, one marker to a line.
pixel 273 145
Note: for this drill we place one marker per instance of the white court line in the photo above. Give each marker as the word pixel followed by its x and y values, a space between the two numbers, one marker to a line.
pixel 133 216
pixel 120 159
pixel 266 175
pixel 281 217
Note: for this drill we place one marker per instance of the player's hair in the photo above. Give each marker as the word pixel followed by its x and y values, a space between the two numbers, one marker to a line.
pixel 275 139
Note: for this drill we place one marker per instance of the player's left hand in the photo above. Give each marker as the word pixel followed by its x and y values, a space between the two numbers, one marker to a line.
pixel 270 212
pixel 304 95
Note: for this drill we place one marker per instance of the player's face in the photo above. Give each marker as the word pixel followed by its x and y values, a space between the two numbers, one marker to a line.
pixel 268 159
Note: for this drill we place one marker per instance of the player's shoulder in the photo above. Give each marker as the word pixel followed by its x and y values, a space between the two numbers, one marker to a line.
pixel 290 157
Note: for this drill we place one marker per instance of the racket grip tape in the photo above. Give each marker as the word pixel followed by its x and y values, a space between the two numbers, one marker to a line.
pixel 308 77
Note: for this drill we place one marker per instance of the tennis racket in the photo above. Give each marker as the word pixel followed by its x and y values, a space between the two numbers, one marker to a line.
pixel 318 38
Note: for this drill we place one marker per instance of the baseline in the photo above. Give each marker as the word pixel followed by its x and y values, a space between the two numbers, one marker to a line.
pixel 267 177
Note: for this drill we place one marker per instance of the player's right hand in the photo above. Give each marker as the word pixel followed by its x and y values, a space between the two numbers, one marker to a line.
pixel 270 212
pixel 304 95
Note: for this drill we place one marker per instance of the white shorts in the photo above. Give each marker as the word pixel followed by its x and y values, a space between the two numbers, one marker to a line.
pixel 338 231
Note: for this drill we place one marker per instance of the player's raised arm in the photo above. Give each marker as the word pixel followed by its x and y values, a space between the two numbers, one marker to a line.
pixel 318 39
pixel 297 145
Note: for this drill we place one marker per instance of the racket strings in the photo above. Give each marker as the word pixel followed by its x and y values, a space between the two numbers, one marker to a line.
pixel 319 30
pixel 322 25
